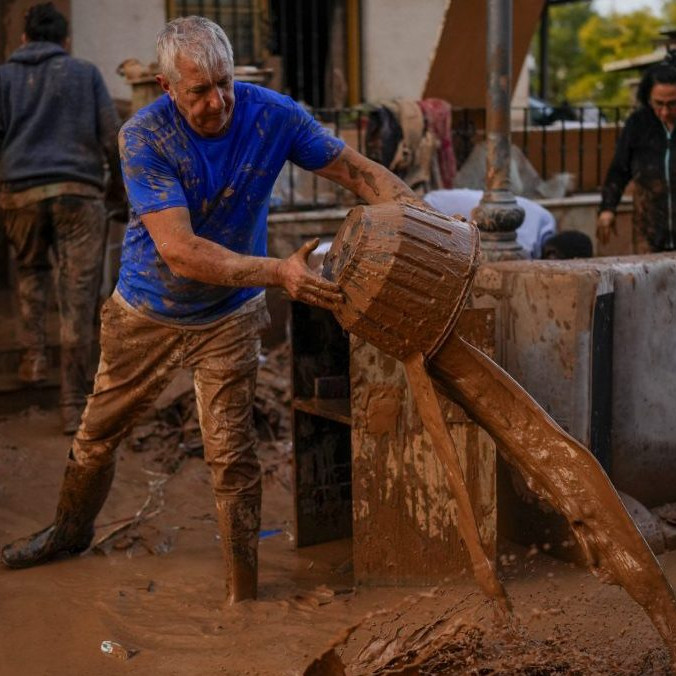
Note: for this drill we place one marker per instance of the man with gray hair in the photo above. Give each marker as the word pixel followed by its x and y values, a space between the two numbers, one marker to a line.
pixel 199 166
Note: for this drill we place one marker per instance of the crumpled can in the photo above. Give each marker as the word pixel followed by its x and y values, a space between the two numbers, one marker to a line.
pixel 117 650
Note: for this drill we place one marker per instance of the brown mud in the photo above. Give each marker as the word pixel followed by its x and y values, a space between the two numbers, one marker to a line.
pixel 154 582
pixel 158 588
pixel 376 258
pixel 560 470
pixel 432 415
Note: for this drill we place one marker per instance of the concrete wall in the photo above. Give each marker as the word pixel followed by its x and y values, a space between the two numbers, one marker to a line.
pixel 545 313
pixel 405 516
pixel 399 38
pixel 107 33
pixel 644 387
pixel 458 69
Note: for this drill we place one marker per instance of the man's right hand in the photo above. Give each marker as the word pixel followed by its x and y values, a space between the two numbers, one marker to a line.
pixel 301 283
pixel 604 225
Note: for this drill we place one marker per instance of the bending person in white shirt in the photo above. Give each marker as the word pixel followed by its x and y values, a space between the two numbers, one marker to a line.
pixel 538 225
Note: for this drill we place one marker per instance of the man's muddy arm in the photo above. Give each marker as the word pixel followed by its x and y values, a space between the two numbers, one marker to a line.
pixel 189 255
pixel 367 179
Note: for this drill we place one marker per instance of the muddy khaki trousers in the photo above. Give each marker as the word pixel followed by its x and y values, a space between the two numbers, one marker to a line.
pixel 73 228
pixel 139 356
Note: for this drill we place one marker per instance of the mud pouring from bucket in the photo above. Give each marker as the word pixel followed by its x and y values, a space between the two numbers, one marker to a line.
pixel 406 273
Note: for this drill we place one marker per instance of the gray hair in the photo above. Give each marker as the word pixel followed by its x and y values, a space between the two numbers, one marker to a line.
pixel 197 38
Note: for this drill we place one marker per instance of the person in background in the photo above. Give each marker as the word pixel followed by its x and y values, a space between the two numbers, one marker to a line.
pixel 646 154
pixel 566 245
pixel 538 225
pixel 199 165
pixel 57 125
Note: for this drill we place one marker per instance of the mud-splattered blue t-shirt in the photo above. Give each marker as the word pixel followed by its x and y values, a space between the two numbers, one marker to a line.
pixel 225 182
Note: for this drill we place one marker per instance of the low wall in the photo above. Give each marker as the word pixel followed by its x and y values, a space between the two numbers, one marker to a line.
pixel 593 341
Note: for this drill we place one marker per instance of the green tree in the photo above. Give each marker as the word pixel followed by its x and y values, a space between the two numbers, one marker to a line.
pixel 607 39
pixel 669 12
pixel 565 55
pixel 581 41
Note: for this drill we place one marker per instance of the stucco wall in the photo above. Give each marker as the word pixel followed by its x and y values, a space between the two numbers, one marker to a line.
pixel 107 33
pixel 545 313
pixel 398 40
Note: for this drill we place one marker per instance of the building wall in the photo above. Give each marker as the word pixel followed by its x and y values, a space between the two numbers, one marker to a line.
pixel 399 38
pixel 458 70
pixel 107 33
pixel 12 22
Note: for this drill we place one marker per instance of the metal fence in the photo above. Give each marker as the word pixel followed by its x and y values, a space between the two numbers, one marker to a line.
pixel 301 34
pixel 244 21
pixel 581 146
pixel 584 129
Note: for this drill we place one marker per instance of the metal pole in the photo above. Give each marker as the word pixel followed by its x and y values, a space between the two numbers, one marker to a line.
pixel 353 22
pixel 498 214
pixel 544 53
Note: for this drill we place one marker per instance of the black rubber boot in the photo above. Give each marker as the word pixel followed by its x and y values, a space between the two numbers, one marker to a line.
pixel 83 492
pixel 239 521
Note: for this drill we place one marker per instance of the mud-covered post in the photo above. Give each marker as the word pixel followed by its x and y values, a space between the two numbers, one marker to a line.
pixel 498 215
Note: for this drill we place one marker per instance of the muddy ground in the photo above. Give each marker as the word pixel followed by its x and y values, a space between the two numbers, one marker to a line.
pixel 154 585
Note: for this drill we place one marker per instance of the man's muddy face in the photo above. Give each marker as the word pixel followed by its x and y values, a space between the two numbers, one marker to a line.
pixel 205 100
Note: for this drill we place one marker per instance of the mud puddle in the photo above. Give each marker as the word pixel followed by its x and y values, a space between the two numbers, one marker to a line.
pixel 156 587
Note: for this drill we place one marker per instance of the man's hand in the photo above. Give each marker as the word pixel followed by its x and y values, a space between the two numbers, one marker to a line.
pixel 194 257
pixel 301 283
pixel 604 225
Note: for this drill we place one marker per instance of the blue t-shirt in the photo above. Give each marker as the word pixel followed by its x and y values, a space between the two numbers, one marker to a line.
pixel 225 182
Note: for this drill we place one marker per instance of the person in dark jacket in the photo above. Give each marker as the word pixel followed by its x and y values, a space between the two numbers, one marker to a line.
pixel 646 154
pixel 57 124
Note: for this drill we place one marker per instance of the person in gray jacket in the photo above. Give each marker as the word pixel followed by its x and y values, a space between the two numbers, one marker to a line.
pixel 57 125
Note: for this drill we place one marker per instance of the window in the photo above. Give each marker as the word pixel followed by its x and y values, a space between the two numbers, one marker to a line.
pixel 244 21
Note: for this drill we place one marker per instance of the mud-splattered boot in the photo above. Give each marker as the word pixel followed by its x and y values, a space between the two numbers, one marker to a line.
pixel 83 492
pixel 239 521
pixel 74 386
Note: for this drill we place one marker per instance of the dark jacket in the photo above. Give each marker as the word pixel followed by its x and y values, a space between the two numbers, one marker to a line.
pixel 57 120
pixel 646 153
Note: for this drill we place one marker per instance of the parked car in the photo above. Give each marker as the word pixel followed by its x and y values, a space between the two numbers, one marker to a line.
pixel 541 113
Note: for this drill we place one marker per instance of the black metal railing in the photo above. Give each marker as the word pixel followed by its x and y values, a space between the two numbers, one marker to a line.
pixel 244 21
pixel 302 33
pixel 579 142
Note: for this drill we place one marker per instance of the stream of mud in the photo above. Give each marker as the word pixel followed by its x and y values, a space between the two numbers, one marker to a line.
pixel 391 257
pixel 560 470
